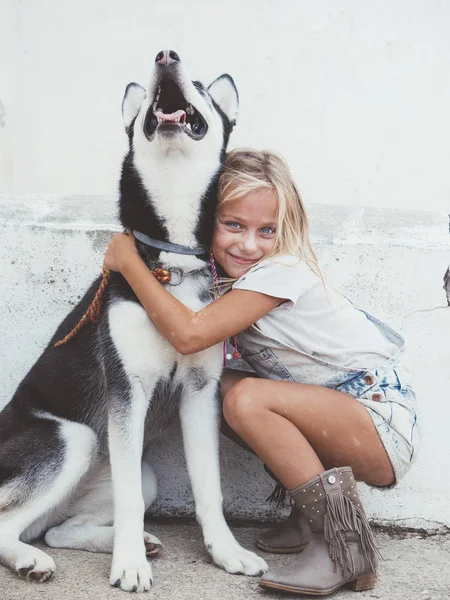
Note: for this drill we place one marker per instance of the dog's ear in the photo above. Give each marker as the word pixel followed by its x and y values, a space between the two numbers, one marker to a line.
pixel 225 94
pixel 134 95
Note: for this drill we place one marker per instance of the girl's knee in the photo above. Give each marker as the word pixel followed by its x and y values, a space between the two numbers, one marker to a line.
pixel 241 401
pixel 382 478
pixel 229 378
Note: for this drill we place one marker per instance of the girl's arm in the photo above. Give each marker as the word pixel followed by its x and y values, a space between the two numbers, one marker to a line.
pixel 186 330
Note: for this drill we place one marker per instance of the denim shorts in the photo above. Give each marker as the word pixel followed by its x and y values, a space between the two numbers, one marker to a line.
pixel 388 396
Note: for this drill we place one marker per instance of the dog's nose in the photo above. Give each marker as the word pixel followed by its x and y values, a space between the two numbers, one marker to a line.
pixel 167 57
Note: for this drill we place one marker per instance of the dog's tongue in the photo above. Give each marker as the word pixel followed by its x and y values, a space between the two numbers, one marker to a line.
pixel 178 116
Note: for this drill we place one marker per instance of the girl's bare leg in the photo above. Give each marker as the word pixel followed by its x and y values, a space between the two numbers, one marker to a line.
pixel 301 430
pixel 229 378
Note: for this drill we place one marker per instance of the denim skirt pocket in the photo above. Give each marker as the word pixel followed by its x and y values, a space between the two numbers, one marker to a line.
pixel 267 365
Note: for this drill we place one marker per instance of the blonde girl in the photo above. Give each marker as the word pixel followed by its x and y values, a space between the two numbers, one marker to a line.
pixel 330 401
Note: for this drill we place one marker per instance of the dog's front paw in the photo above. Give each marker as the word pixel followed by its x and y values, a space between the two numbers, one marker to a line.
pixel 35 566
pixel 131 576
pixel 237 560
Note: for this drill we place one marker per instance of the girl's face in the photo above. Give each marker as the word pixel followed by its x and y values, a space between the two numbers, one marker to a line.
pixel 245 231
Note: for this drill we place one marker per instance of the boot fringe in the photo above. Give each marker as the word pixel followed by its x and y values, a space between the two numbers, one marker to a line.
pixel 278 495
pixel 341 516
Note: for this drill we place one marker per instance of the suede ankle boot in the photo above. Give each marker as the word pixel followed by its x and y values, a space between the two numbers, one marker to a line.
pixel 342 550
pixel 289 537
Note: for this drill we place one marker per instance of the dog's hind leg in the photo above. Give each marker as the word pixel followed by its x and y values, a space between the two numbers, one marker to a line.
pixel 45 459
pixel 90 517
pixel 200 426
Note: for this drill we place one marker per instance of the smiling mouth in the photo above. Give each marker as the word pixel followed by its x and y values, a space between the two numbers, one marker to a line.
pixel 171 113
pixel 243 261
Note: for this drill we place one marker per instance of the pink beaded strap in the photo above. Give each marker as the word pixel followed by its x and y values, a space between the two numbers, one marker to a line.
pixel 215 275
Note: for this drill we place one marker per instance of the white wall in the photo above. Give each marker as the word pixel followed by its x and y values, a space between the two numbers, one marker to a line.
pixel 355 93
pixel 9 15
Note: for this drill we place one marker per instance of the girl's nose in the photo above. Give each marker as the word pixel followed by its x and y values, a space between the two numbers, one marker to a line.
pixel 249 241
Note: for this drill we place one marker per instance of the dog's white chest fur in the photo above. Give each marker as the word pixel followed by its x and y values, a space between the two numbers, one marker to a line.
pixel 143 351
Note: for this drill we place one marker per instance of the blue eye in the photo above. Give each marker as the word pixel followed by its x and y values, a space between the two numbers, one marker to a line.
pixel 267 230
pixel 232 224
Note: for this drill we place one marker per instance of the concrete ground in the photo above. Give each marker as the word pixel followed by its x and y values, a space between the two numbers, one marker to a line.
pixel 412 568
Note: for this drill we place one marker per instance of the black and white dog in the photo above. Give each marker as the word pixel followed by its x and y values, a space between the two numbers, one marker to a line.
pixel 72 438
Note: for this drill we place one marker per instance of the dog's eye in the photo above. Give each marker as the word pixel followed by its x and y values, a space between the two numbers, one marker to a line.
pixel 196 126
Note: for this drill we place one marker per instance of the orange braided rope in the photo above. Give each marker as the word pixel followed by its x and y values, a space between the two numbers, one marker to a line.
pixel 93 312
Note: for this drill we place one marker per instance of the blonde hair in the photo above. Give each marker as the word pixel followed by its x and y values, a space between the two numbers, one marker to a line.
pixel 247 170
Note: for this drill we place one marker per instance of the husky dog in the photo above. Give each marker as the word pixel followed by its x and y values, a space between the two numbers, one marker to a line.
pixel 72 438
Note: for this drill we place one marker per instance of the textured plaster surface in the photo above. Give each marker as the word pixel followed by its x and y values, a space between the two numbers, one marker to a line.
pixel 389 262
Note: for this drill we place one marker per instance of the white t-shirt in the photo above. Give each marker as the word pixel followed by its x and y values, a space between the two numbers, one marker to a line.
pixel 316 319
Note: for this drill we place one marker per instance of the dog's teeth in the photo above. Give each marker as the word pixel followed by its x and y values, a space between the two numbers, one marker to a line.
pixel 189 110
pixel 156 98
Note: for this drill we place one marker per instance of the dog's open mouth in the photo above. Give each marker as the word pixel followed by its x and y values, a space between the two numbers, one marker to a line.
pixel 170 112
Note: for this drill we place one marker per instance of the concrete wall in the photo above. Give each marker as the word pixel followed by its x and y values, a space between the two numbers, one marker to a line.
pixel 355 93
pixel 390 262
pixel 9 31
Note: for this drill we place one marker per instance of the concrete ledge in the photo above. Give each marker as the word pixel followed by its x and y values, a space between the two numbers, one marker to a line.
pixel 340 224
pixel 389 262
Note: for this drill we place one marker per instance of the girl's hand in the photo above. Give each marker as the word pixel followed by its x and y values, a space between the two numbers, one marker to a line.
pixel 120 249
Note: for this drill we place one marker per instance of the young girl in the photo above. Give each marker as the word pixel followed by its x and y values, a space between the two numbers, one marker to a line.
pixel 330 388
